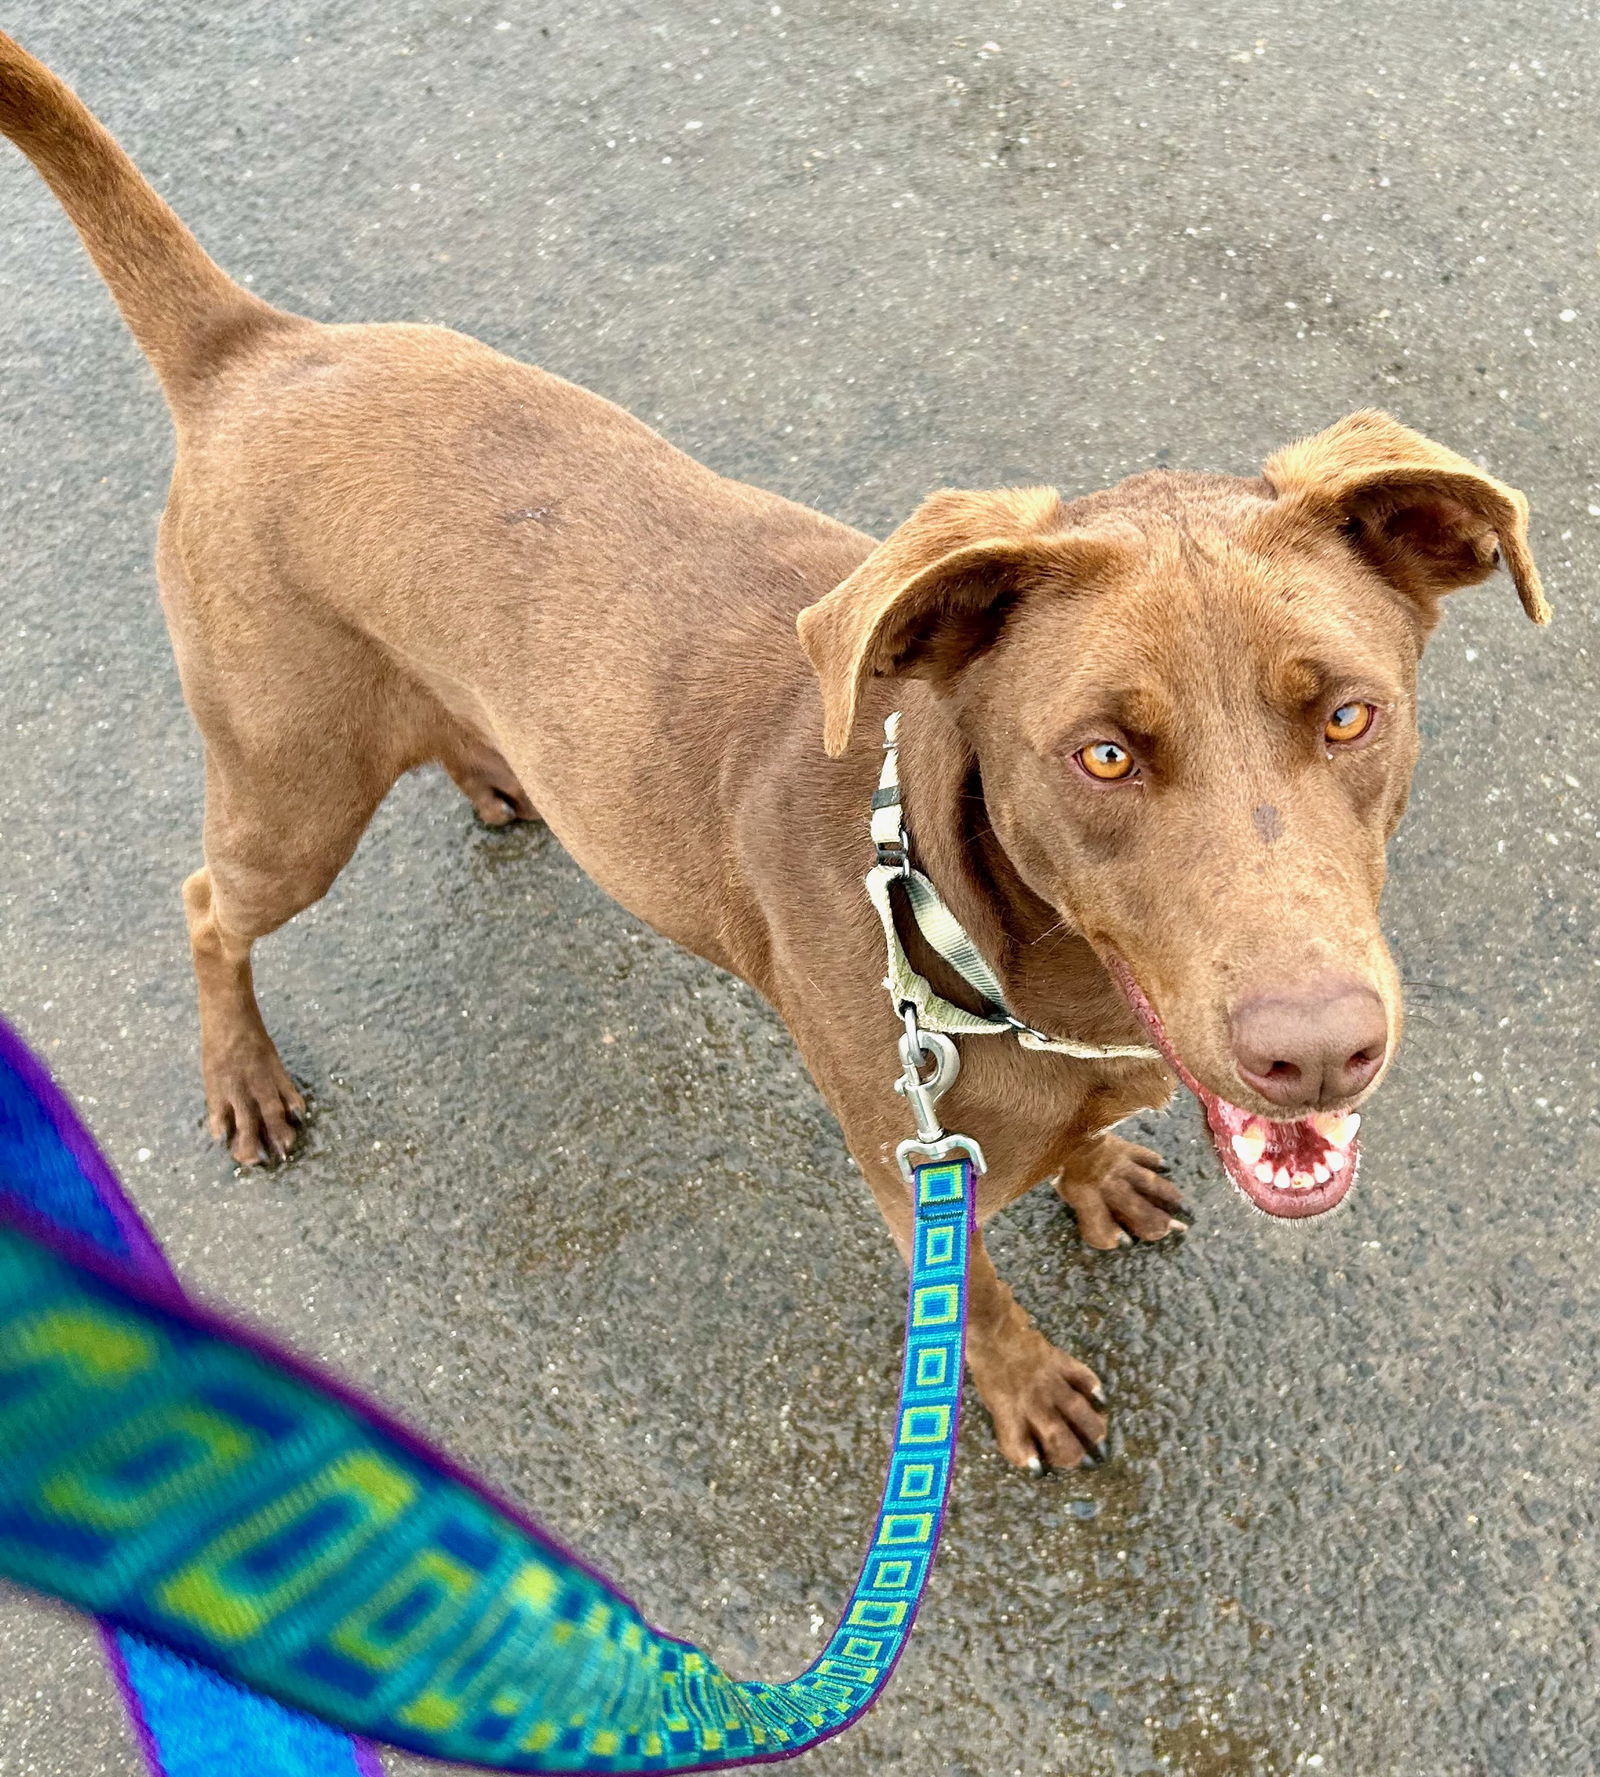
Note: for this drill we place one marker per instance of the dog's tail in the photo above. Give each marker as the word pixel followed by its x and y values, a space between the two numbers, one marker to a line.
pixel 186 313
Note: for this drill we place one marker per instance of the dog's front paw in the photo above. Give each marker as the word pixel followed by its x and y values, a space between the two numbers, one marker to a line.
pixel 1043 1403
pixel 1118 1194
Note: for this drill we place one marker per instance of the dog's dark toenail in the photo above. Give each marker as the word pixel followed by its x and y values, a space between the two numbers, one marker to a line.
pixel 1094 1455
pixel 1098 1396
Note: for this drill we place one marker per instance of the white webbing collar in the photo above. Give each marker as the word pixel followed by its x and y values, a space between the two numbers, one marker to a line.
pixel 944 932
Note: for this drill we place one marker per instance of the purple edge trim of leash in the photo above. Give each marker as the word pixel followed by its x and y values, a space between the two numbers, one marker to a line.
pixel 116 1660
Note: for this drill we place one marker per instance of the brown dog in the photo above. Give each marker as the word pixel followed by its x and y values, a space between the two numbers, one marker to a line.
pixel 1154 739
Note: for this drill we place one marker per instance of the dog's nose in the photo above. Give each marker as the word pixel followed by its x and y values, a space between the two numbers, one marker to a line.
pixel 1311 1048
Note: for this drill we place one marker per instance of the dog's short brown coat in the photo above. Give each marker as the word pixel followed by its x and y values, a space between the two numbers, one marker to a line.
pixel 389 544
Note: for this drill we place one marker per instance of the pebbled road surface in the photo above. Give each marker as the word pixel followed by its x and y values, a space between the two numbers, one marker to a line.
pixel 569 1202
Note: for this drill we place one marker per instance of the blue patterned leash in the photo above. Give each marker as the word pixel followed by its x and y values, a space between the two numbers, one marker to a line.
pixel 266 1547
pixel 188 1721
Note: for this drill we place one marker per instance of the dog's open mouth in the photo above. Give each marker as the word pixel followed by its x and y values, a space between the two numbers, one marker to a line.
pixel 1293 1169
pixel 1287 1168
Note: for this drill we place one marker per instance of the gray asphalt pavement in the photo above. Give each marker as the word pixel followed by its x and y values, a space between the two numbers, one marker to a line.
pixel 570 1203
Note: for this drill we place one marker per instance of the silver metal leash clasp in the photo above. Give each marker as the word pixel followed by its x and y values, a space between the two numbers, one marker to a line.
pixel 923 1091
pixel 921 1048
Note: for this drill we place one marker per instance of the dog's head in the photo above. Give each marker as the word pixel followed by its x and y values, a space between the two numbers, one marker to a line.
pixel 1192 703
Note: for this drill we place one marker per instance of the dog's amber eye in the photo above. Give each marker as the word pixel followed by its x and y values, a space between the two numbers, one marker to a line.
pixel 1349 722
pixel 1106 761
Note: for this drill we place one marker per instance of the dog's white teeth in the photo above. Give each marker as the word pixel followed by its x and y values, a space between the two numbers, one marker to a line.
pixel 1338 1131
pixel 1302 1181
pixel 1321 1173
pixel 1281 1178
pixel 1250 1145
pixel 1333 1159
pixel 1264 1173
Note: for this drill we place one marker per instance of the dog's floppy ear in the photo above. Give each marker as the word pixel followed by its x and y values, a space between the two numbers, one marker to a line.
pixel 1428 520
pixel 932 596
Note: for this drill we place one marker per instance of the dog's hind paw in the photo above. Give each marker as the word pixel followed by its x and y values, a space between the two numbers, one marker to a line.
pixel 253 1105
pixel 491 786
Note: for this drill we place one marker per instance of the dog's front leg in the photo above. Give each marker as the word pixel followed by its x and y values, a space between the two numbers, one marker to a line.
pixel 1044 1404
pixel 1119 1192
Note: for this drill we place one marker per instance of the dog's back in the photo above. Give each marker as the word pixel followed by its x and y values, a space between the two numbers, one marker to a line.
pixel 389 543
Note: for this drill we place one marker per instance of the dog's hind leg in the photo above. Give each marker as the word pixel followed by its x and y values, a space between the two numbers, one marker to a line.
pixel 297 760
pixel 486 780
pixel 273 845
pixel 251 1103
